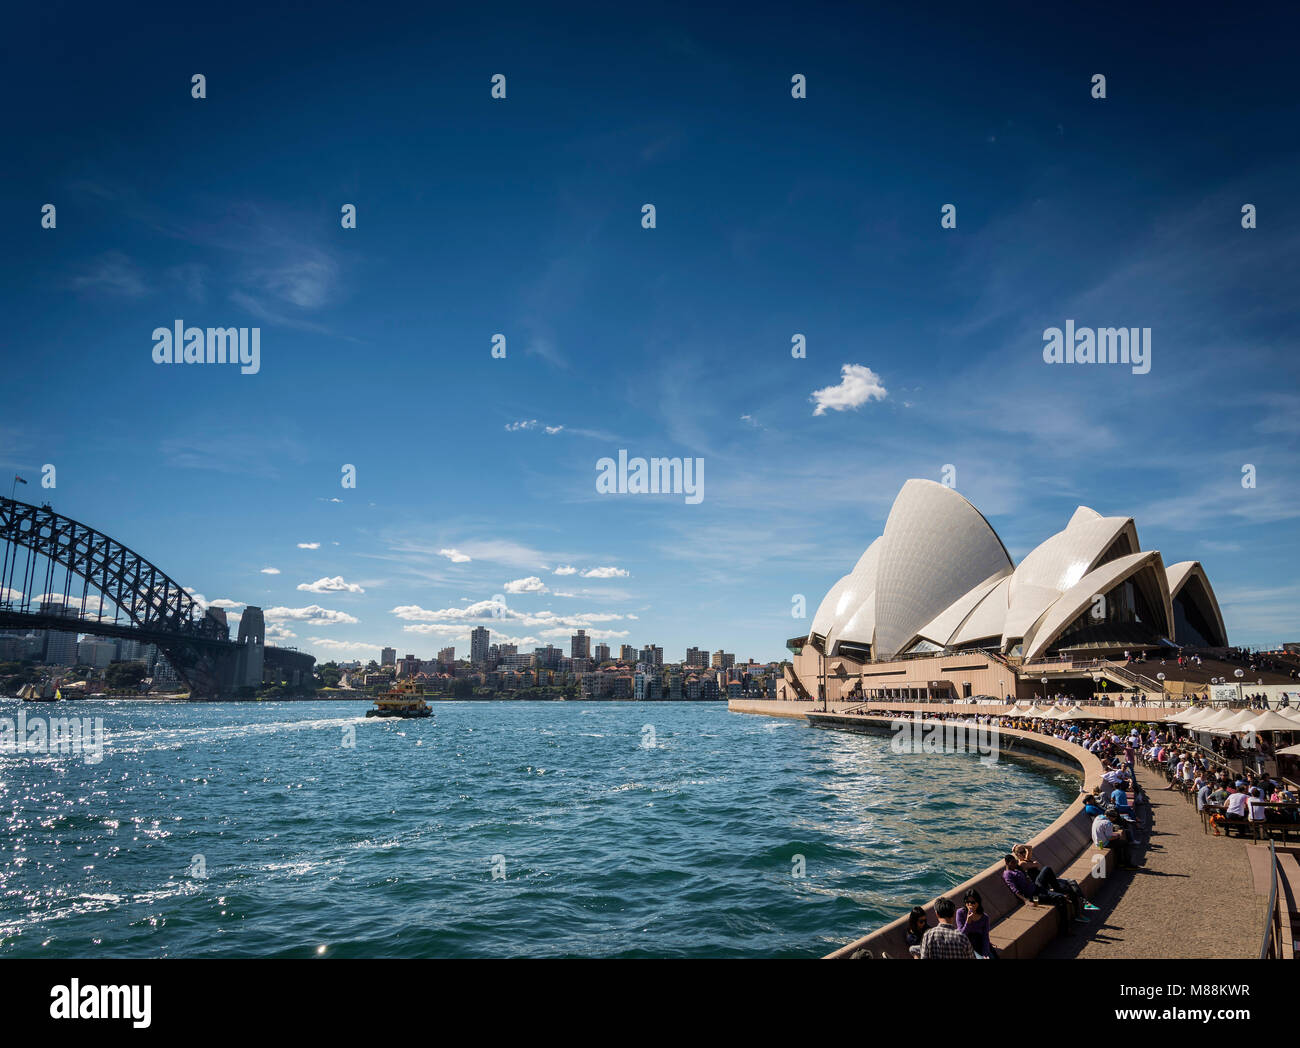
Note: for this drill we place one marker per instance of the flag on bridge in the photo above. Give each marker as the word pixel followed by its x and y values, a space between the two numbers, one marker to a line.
pixel 19 479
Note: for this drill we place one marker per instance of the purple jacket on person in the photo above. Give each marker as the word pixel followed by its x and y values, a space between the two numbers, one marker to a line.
pixel 976 930
pixel 1019 883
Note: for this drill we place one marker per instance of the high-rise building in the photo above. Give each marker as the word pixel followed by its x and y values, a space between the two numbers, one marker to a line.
pixel 652 656
pixel 723 660
pixel 626 653
pixel 163 672
pixel 446 657
pixel 697 657
pixel 20 647
pixel 548 657
pixel 602 653
pixel 98 652
pixel 580 646
pixel 60 648
pixel 388 657
pixel 478 645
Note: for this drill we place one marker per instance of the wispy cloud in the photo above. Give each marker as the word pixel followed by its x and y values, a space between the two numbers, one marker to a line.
pixel 312 615
pixel 111 275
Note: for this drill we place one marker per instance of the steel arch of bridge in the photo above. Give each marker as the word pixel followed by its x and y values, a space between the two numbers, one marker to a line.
pixel 148 597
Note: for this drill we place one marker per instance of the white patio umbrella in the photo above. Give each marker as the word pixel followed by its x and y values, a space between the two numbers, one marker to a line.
pixel 1215 720
pixel 1238 721
pixel 1271 721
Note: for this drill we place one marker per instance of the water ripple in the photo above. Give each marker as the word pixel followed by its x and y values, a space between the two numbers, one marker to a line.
pixel 255 830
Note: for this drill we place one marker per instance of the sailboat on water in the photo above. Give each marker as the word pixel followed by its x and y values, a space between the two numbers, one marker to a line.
pixel 43 692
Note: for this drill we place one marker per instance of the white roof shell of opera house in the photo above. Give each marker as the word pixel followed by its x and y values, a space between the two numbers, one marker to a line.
pixel 939 578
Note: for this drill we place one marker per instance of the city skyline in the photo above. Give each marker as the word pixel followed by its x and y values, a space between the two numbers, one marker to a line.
pixel 799 320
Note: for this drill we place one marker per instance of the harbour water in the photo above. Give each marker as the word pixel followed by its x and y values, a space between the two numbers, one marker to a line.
pixel 491 829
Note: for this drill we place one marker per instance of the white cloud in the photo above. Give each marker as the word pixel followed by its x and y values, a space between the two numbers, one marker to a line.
pixel 312 615
pixel 455 556
pixel 274 631
pixel 223 603
pixel 330 644
pixel 95 605
pixel 486 612
pixel 552 430
pixel 858 385
pixel 532 584
pixel 605 573
pixel 270 571
pixel 512 427
pixel 330 585
pixel 309 545
pixel 566 569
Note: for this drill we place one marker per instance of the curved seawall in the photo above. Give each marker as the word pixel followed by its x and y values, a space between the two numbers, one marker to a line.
pixel 1065 845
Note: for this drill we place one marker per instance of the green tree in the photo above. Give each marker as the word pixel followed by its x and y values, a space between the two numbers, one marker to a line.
pixel 125 674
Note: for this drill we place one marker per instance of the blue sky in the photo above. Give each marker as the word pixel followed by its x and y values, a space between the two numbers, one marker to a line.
pixel 522 216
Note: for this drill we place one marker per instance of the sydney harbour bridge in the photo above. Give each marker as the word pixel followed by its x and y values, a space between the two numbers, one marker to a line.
pixel 60 574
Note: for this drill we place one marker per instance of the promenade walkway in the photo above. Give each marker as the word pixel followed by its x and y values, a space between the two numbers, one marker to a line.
pixel 1193 896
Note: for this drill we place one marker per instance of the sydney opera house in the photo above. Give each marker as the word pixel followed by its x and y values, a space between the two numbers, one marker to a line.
pixel 935 608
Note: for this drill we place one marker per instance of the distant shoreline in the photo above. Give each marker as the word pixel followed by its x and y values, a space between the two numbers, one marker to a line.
pixel 355 698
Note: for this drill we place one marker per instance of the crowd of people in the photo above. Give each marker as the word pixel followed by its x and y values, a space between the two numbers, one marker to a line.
pixel 1243 796
pixel 1117 824
pixel 963 931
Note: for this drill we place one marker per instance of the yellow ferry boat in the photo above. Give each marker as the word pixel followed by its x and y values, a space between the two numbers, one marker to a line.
pixel 404 700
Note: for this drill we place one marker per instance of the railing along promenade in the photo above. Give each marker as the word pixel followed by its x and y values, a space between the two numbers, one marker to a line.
pixel 1279 935
pixel 1271 948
